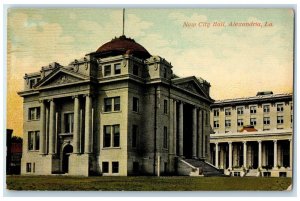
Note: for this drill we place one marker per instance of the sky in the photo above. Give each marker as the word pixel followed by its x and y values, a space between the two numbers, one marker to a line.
pixel 238 61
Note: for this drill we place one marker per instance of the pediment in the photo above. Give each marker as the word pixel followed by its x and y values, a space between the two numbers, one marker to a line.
pixel 60 77
pixel 190 84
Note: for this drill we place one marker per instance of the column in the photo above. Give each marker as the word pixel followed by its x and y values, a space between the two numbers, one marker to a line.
pixel 291 153
pixel 204 133
pixel 275 154
pixel 88 133
pixel 217 155
pixel 180 129
pixel 259 154
pixel 52 127
pixel 194 143
pixel 245 155
pixel 200 133
pixel 175 127
pixel 76 132
pixel 43 128
pixel 230 155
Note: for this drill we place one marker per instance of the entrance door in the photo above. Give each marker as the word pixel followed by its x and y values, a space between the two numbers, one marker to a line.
pixel 66 153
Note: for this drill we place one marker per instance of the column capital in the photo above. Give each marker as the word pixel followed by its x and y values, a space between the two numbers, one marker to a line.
pixel 216 143
pixel 75 96
pixel 290 140
pixel 229 142
pixel 244 142
pixel 50 100
pixel 41 100
pixel 275 141
pixel 259 141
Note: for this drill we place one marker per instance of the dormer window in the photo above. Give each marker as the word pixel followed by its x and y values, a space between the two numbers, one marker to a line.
pixel 107 70
pixel 117 69
pixel 31 83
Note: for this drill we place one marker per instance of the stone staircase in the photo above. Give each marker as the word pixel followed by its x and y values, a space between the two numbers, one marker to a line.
pixel 252 173
pixel 205 168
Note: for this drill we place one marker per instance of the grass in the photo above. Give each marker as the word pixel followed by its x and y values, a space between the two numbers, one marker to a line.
pixel 142 183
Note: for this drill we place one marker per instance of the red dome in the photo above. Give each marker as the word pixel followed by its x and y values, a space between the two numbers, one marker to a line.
pixel 122 45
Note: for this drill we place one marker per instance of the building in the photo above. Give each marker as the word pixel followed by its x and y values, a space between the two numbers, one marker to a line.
pixel 117 111
pixel 14 153
pixel 253 136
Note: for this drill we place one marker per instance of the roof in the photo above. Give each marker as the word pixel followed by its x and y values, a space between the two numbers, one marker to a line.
pixel 254 99
pixel 120 46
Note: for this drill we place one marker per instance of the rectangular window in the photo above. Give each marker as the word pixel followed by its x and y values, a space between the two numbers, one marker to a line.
pixel 34 113
pixel 280 108
pixel 165 106
pixel 107 104
pixel 240 110
pixel 134 135
pixel 107 70
pixel 31 83
pixel 117 68
pixel 117 104
pixel 37 140
pixel 135 103
pixel 165 141
pixel 253 121
pixel 216 124
pixel 115 167
pixel 116 130
pixel 105 167
pixel 253 110
pixel 107 136
pixel 165 72
pixel 240 122
pixel 227 111
pixel 291 118
pixel 266 120
pixel 28 167
pixel 266 108
pixel 279 119
pixel 216 112
pixel 69 122
pixel 30 140
pixel 227 123
pixel 135 70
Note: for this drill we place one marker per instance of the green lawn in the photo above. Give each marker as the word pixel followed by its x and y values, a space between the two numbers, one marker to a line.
pixel 63 183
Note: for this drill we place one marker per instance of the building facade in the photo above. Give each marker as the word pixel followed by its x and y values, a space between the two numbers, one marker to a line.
pixel 117 111
pixel 253 136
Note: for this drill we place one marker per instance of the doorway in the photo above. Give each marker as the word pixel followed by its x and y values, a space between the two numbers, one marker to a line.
pixel 68 149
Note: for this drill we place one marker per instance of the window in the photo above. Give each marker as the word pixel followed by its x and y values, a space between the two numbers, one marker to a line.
pixel 280 108
pixel 216 124
pixel 240 110
pixel 291 118
pixel 115 167
pixel 116 130
pixel 165 142
pixel 134 135
pixel 105 167
pixel 34 113
pixel 165 72
pixel 252 109
pixel 227 111
pixel 216 112
pixel 107 138
pixel 107 70
pixel 31 83
pixel 266 120
pixel 253 121
pixel 33 140
pixel 108 102
pixel 240 122
pixel 69 123
pixel 117 104
pixel 30 140
pixel 165 106
pixel 279 119
pixel 291 106
pixel 227 123
pixel 111 136
pixel 28 167
pixel 135 70
pixel 117 68
pixel 266 108
pixel 135 103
